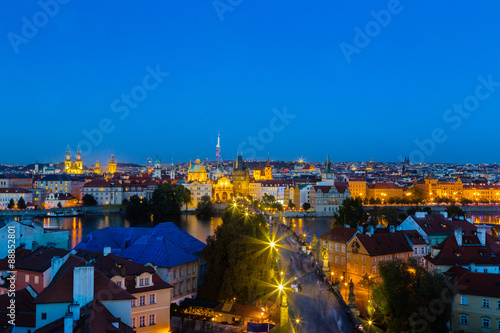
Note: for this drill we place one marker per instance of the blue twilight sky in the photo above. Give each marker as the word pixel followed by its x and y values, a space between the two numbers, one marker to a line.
pixel 230 63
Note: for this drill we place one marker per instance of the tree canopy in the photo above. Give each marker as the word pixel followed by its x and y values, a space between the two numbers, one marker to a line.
pixel 237 257
pixel 21 204
pixel 89 200
pixel 11 204
pixel 351 212
pixel 454 211
pixel 205 207
pixel 407 290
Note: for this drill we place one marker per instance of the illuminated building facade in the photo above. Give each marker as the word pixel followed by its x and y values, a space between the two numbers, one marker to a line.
pixel 112 165
pixel 73 167
pixel 222 190
pixel 197 172
pixel 241 178
pixel 266 174
pixel 97 168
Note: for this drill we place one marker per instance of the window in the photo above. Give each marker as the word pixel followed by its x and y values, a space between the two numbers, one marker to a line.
pixel 348 256
pixel 330 246
pixel 133 303
pixel 343 261
pixel 133 323
pixel 336 260
pixel 146 281
pixel 119 283
pixel 194 268
pixel 152 319
pixel 464 320
pixel 374 260
pixel 337 247
pixel 343 248
pixel 27 278
pixel 37 279
pixel 175 273
pixel 142 321
pixel 498 324
pixel 498 305
pixel 142 300
pixel 486 323
pixel 363 270
pixel 486 303
pixel 152 298
pixel 180 271
pixel 44 315
pixel 464 300
pixel 374 270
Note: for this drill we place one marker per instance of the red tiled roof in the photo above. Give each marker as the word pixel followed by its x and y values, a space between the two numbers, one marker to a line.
pixel 96 318
pixel 464 255
pixel 60 289
pixel 384 186
pixel 339 234
pixel 14 190
pixel 438 224
pixel 20 253
pixel 40 259
pixel 25 309
pixel 479 284
pixel 415 237
pixel 387 243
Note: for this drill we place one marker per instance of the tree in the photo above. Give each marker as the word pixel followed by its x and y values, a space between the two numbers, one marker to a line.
pixel 166 202
pixel 59 204
pixel 238 257
pixel 291 205
pixel 183 195
pixel 89 200
pixel 406 289
pixel 416 195
pixel 137 207
pixel 351 212
pixel 21 204
pixel 384 216
pixel 306 206
pixel 454 211
pixel 11 204
pixel 205 207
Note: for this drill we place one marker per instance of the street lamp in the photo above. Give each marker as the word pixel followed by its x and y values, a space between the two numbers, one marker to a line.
pixel 370 325
pixel 331 278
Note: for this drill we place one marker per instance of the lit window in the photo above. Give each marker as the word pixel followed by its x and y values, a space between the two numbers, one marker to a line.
pixel 37 279
pixel 27 278
pixel 464 320
pixel 464 300
pixel 486 303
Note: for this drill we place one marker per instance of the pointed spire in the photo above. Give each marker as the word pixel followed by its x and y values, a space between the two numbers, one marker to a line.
pixel 268 165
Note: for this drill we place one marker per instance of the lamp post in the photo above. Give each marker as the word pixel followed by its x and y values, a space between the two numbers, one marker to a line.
pixel 370 326
pixel 331 278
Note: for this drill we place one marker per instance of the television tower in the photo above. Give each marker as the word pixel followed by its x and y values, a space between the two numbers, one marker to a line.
pixel 217 149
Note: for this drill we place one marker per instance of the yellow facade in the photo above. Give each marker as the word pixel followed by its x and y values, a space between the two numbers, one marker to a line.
pixel 76 167
pixel 97 168
pixel 384 191
pixel 446 189
pixel 158 311
pixel 470 313
pixel 112 165
pixel 357 188
pixel 197 172
pixel 222 190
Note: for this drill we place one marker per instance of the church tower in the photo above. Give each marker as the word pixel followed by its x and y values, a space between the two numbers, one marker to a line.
pixel 67 162
pixel 97 168
pixel 172 171
pixel 241 178
pixel 328 176
pixel 268 171
pixel 78 161
pixel 112 165
pixel 157 168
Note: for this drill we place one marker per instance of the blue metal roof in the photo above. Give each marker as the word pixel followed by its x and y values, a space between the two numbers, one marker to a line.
pixel 164 245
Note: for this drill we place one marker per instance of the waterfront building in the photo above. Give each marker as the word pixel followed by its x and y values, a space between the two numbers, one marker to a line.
pixel 197 172
pixel 62 184
pixel 8 194
pixel 326 199
pixel 59 200
pixel 198 190
pixel 223 190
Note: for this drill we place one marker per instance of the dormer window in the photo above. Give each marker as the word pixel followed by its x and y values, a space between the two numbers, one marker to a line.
pixel 141 282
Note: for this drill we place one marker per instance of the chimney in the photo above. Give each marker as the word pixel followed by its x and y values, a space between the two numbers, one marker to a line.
pixel 458 236
pixel 106 251
pixel 347 225
pixel 369 230
pixel 420 215
pixel 74 309
pixel 83 285
pixel 481 234
pixel 55 265
pixel 68 323
pixel 445 214
pixel 360 228
pixel 392 229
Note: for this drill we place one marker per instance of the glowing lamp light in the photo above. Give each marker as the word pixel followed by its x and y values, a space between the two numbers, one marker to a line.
pixel 280 287
pixel 272 244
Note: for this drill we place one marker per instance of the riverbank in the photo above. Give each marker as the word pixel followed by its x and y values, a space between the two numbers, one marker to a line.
pixel 95 210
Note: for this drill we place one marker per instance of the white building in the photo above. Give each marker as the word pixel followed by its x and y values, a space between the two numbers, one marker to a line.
pixel 198 190
pixel 113 193
pixel 6 194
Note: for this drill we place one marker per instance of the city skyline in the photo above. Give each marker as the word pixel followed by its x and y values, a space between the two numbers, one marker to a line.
pixel 357 80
